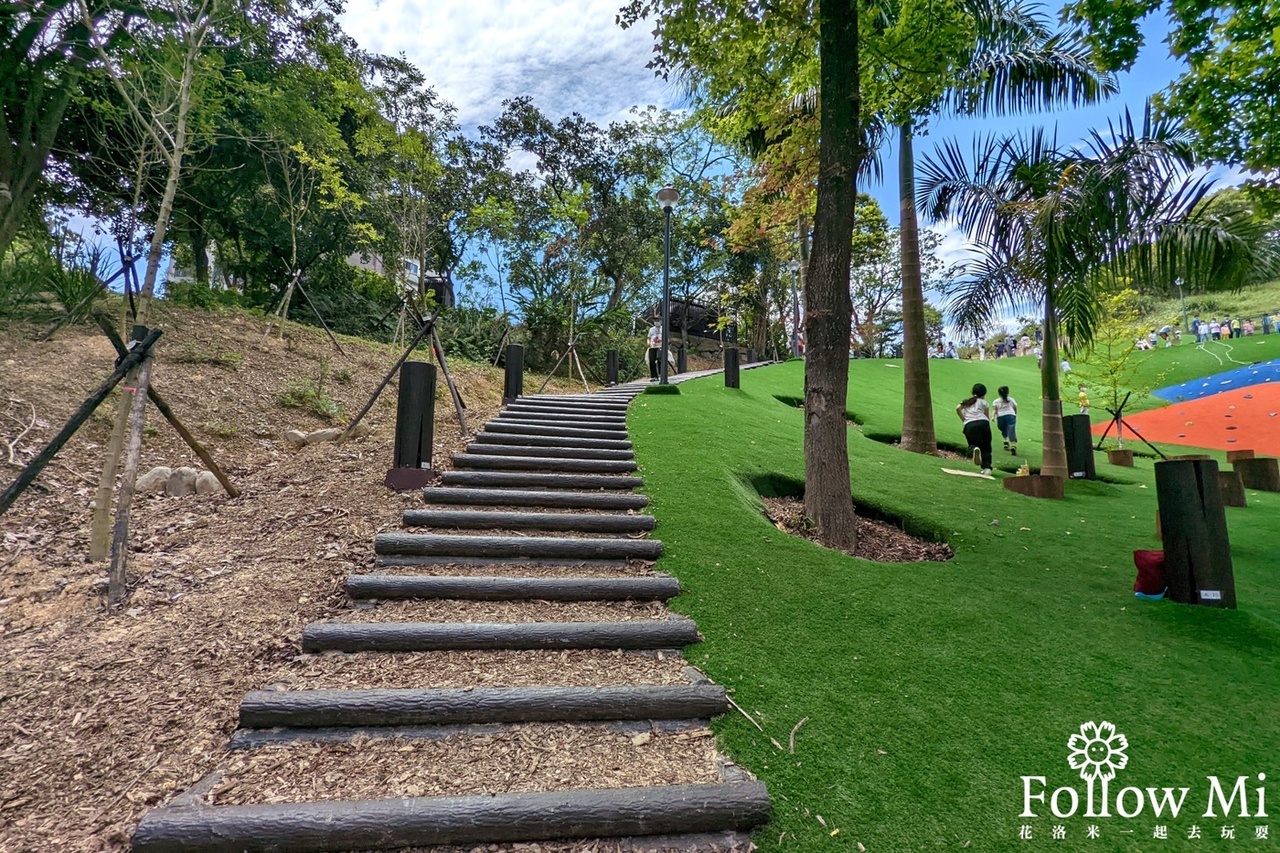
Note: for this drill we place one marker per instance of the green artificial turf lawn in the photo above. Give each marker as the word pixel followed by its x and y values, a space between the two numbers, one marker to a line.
pixel 930 689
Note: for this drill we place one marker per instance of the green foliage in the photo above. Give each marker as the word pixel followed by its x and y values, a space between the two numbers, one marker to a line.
pixel 1108 364
pixel 474 333
pixel 219 429
pixel 309 395
pixel 196 295
pixel 1226 95
pixel 21 280
pixel 192 353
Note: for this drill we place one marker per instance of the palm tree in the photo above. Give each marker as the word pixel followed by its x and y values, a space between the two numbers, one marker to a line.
pixel 1017 65
pixel 1054 223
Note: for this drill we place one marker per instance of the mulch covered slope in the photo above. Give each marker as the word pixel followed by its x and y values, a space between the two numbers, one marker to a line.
pixel 103 716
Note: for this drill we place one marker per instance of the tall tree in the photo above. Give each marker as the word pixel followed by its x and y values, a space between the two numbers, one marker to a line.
pixel 46 49
pixel 1016 64
pixel 1226 97
pixel 1053 222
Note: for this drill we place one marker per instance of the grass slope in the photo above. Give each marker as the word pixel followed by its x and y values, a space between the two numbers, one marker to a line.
pixel 930 689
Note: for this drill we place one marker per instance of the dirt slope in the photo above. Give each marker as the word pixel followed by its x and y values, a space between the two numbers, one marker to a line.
pixel 102 716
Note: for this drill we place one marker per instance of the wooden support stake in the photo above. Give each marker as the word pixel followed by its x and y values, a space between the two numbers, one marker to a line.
pixel 325 325
pixel 152 394
pixel 87 408
pixel 116 579
pixel 448 380
pixel 100 527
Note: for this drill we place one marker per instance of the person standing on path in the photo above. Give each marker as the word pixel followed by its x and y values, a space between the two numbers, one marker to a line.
pixel 976 417
pixel 655 348
pixel 1005 410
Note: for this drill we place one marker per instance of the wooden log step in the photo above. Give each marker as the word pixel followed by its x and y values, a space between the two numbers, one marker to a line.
pixel 422 821
pixel 486 449
pixel 613 409
pixel 515 547
pixel 583 418
pixel 444 495
pixel 489 520
pixel 495 588
pixel 555 428
pixel 403 561
pixel 443 636
pixel 550 441
pixel 412 707
pixel 484 462
pixel 534 479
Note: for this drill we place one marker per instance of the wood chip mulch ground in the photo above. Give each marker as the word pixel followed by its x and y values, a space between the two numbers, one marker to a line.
pixel 105 715
pixel 877 540
pixel 503 611
pixel 535 757
pixel 568 668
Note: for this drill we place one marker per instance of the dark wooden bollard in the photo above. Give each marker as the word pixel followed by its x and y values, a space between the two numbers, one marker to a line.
pixel 731 367
pixel 415 427
pixel 1079 442
pixel 1193 523
pixel 611 367
pixel 751 356
pixel 1234 456
pixel 1232 488
pixel 682 360
pixel 513 387
pixel 1262 474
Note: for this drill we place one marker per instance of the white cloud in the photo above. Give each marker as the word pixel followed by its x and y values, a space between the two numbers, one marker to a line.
pixel 569 56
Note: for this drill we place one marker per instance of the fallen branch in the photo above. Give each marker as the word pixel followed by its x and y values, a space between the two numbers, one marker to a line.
pixel 77 420
pixel 791 742
pixel 13 445
pixel 745 714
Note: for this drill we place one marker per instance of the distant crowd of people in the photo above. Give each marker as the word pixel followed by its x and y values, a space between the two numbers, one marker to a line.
pixel 1227 328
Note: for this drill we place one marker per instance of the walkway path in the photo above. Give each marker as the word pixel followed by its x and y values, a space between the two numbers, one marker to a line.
pixel 508 672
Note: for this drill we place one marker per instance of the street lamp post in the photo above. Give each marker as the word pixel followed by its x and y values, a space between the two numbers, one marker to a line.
pixel 1185 328
pixel 794 266
pixel 667 197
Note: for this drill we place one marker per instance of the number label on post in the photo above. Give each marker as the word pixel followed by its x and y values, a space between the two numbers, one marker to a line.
pixel 1210 595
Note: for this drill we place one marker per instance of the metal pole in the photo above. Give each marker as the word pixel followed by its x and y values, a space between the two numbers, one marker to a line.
pixel 666 299
pixel 1186 329
pixel 795 315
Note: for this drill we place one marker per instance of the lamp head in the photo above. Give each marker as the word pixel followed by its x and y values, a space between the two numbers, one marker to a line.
pixel 793 265
pixel 667 197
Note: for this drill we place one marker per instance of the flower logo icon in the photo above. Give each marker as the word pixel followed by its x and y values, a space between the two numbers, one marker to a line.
pixel 1097 751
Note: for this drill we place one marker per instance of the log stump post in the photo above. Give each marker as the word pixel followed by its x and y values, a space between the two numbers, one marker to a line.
pixel 1193 523
pixel 415 427
pixel 611 367
pixel 1261 474
pixel 1036 486
pixel 731 367
pixel 1234 456
pixel 513 386
pixel 751 356
pixel 1232 488
pixel 682 359
pixel 1120 458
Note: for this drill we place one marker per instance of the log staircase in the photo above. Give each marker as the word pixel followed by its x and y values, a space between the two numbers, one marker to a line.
pixel 540 508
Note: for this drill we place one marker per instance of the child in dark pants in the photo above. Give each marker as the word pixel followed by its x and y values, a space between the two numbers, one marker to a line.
pixel 976 417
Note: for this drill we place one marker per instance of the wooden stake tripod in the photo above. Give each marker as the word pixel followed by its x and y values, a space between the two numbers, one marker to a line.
pixel 282 311
pixel 1118 421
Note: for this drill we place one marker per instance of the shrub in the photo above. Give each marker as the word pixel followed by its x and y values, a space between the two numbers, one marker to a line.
pixel 309 394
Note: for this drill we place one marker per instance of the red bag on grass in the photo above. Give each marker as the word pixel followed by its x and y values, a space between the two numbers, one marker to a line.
pixel 1150 579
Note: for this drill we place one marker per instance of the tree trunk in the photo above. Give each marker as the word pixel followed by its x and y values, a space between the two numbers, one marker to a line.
pixel 828 499
pixel 917 399
pixel 200 249
pixel 117 580
pixel 760 310
pixel 1054 460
